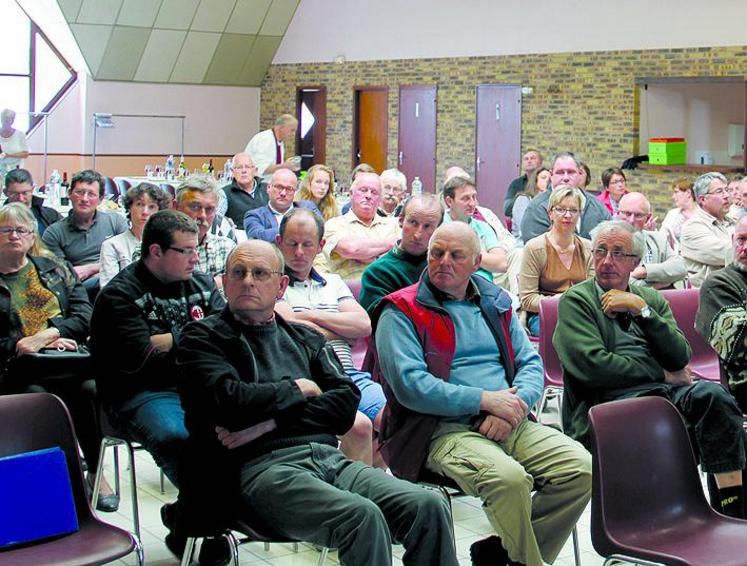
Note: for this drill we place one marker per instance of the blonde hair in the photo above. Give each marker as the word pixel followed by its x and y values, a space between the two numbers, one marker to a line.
pixel 19 213
pixel 328 204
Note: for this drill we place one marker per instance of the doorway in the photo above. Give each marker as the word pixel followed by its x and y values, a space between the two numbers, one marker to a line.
pixel 311 136
pixel 417 134
pixel 370 126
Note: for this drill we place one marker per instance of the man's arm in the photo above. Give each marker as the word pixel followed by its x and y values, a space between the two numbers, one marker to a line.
pixel 256 227
pixel 701 245
pixel 529 377
pixel 86 271
pixel 53 239
pixel 670 269
pixel 362 248
pixel 495 260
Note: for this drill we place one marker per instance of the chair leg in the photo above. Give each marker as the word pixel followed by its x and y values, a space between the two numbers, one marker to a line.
pixel 116 468
pixel 267 547
pixel 162 489
pixel 139 551
pixel 576 547
pixel 323 556
pixel 189 549
pixel 133 490
pixel 232 542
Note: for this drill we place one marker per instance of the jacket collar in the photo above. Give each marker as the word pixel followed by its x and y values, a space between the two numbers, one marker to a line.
pixel 479 292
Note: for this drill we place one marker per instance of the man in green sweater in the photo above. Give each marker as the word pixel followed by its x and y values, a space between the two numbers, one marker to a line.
pixel 403 264
pixel 616 341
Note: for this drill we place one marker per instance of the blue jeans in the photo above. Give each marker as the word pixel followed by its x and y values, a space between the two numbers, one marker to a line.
pixel 155 419
pixel 372 395
pixel 533 324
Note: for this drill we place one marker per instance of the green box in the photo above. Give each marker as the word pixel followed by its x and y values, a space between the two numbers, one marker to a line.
pixel 667 153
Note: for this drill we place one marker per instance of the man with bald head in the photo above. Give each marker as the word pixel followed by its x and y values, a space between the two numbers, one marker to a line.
pixel 460 376
pixel 246 191
pixel 660 267
pixel 264 400
pixel 360 236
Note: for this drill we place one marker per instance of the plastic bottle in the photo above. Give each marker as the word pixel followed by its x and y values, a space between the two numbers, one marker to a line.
pixel 182 168
pixel 53 189
pixel 168 171
pixel 417 186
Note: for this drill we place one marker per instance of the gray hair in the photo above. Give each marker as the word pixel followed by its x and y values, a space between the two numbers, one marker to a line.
pixel 7 113
pixel 562 192
pixel 285 119
pixel 427 200
pixel 702 183
pixel 395 174
pixel 200 183
pixel 563 155
pixel 637 237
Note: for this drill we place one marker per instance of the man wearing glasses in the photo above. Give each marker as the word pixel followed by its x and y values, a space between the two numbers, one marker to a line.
pixel 135 327
pixel 19 187
pixel 78 237
pixel 617 341
pixel 705 242
pixel 246 192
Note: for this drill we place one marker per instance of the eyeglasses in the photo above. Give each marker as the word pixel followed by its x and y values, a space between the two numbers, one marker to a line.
pixel 601 253
pixel 196 208
pixel 21 231
pixel 258 273
pixel 719 191
pixel 239 167
pixel 83 193
pixel 566 211
pixel 636 215
pixel 281 189
pixel 183 251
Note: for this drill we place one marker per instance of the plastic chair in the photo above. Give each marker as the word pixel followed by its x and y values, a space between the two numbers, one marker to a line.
pixel 111 191
pixel 684 305
pixel 553 389
pixel 647 500
pixel 122 184
pixel 38 421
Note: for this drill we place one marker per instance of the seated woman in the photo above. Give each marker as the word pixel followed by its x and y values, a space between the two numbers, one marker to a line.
pixel 554 261
pixel 685 206
pixel 615 186
pixel 319 187
pixel 140 202
pixel 536 183
pixel 45 306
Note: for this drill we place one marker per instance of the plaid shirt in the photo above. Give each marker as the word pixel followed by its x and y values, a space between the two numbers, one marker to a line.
pixel 212 254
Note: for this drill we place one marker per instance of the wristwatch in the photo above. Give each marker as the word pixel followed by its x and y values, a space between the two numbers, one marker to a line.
pixel 645 312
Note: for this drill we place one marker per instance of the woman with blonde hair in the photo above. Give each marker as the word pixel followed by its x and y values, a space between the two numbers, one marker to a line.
pixel 319 187
pixel 685 206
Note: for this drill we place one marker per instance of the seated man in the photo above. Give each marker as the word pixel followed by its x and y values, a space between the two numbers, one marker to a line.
pixel 660 267
pixel 264 401
pixel 722 315
pixel 197 197
pixel 78 237
pixel 19 187
pixel 135 327
pixel 404 263
pixel 705 242
pixel 263 223
pixel 460 376
pixel 393 190
pixel 246 191
pixel 360 236
pixel 616 341
pixel 326 304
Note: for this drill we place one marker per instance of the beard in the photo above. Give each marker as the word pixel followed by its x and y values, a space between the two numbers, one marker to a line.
pixel 740 266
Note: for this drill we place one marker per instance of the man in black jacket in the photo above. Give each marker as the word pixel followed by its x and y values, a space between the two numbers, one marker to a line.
pixel 19 187
pixel 264 400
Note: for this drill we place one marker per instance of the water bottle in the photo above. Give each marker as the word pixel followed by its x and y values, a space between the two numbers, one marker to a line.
pixel 53 189
pixel 228 171
pixel 168 171
pixel 182 168
pixel 417 186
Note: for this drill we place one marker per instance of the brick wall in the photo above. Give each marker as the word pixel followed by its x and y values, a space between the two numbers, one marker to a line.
pixel 583 102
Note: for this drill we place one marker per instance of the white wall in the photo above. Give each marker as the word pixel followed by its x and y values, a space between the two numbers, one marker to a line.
pixel 410 29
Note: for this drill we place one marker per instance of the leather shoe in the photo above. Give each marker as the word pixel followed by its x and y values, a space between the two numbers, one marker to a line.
pixel 488 552
pixel 106 503
pixel 215 552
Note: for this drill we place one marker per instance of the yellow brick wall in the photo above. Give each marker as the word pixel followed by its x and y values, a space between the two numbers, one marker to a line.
pixel 582 102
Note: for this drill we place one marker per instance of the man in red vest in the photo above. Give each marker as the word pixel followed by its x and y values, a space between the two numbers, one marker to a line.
pixel 460 376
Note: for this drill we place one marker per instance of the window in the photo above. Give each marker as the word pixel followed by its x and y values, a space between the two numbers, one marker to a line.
pixel 33 74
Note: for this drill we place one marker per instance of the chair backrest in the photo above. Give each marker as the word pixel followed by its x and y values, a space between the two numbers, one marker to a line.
pixel 548 313
pixel 644 474
pixel 111 191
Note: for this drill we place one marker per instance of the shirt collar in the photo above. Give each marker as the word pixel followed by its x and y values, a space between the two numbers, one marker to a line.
pixel 314 276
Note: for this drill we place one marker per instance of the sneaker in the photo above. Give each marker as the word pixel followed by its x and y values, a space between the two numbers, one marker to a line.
pixel 488 552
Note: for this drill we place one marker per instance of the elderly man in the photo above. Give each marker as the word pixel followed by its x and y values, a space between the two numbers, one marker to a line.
pixel 246 191
pixel 360 236
pixel 530 161
pixel 660 267
pixel 565 170
pixel 404 263
pixel 197 197
pixel 617 341
pixel 738 207
pixel 19 187
pixel 78 237
pixel 705 242
pixel 278 397
pixel 393 190
pixel 722 316
pixel 460 376
pixel 263 223
pixel 267 148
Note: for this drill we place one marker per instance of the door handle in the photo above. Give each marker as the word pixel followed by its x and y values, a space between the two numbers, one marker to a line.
pixel 401 157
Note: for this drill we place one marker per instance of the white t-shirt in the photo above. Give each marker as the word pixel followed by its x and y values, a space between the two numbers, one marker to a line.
pixel 16 143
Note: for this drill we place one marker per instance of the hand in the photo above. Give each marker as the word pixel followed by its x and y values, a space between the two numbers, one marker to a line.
pixel 238 438
pixel 162 342
pixel 651 223
pixel 86 271
pixel 621 301
pixel 35 342
pixel 495 428
pixel 505 404
pixel 683 376
pixel 291 164
pixel 308 387
pixel 64 344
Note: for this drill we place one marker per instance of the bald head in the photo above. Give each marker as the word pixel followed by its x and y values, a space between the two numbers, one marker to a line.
pixel 453 256
pixel 634 209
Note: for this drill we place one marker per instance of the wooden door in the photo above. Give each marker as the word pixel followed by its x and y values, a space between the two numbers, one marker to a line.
pixel 417 134
pixel 370 126
pixel 497 142
pixel 311 135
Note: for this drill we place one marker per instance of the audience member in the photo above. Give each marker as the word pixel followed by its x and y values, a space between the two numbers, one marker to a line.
pixel 19 187
pixel 326 304
pixel 118 252
pixel 722 316
pixel 615 341
pixel 319 187
pixel 556 260
pixel 267 148
pixel 660 266
pixel 584 176
pixel 565 171
pixel 537 183
pixel 360 168
pixel 460 376
pixel 359 237
pixel 402 265
pixel 739 200
pixel 393 191
pixel 278 396
pixel 685 207
pixel 246 191
pixel 530 161
pixel 14 147
pixel 705 242
pixel 735 197
pixel 263 223
pixel 78 237
pixel 614 188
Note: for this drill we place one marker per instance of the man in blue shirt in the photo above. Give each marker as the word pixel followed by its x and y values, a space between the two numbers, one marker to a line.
pixel 471 395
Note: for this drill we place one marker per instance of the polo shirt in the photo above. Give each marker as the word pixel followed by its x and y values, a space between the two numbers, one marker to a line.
pixel 81 246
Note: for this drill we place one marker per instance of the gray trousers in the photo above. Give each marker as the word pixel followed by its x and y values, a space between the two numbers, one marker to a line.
pixel 313 493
